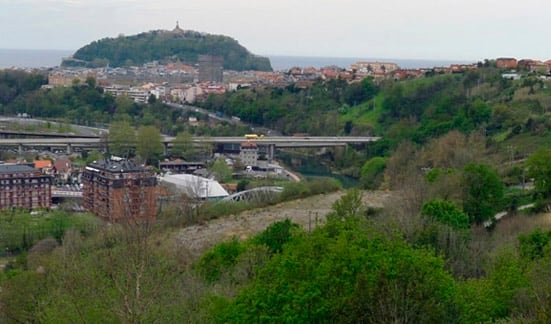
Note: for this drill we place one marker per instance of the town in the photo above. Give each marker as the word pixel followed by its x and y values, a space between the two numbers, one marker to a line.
pixel 178 82
pixel 57 178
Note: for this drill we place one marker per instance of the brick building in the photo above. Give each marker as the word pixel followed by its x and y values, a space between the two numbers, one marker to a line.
pixel 118 189
pixel 25 187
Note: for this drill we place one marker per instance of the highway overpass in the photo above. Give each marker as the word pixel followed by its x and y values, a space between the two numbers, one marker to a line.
pixel 69 144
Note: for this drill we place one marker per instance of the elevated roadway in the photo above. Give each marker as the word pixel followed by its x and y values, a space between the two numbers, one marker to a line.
pixel 272 141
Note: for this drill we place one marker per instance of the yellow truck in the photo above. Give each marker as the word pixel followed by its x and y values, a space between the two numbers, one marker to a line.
pixel 253 136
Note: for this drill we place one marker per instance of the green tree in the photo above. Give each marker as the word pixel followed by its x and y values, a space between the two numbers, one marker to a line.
pixel 124 105
pixel 373 173
pixel 122 138
pixel 182 145
pixel 346 274
pixel 149 146
pixel 91 81
pixel 482 193
pixel 221 257
pixel 445 212
pixel 533 245
pixel 276 235
pixel 221 170
pixel 348 206
pixel 539 168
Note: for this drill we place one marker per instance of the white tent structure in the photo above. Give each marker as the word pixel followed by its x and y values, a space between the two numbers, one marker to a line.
pixel 195 186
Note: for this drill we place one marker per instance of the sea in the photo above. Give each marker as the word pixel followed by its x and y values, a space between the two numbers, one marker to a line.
pixel 27 58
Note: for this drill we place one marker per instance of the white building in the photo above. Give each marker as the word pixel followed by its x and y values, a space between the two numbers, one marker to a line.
pixel 249 153
pixel 195 187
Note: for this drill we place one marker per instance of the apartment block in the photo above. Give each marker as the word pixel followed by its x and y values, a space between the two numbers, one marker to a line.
pixel 25 187
pixel 119 190
pixel 210 68
pixel 249 153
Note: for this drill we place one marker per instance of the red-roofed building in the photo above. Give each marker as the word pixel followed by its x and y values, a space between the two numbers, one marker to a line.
pixel 63 169
pixel 45 166
pixel 506 63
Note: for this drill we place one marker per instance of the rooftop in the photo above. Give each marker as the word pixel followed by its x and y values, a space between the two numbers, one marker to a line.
pixel 115 165
pixel 196 186
pixel 15 168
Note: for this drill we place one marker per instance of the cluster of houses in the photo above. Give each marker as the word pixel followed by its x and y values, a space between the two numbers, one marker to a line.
pixel 524 65
pixel 184 83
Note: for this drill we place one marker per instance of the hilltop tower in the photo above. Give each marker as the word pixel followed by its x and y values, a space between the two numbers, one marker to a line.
pixel 177 29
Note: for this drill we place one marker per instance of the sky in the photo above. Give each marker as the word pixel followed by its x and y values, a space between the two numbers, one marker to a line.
pixel 404 29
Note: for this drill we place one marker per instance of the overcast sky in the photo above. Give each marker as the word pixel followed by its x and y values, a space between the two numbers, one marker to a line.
pixel 409 29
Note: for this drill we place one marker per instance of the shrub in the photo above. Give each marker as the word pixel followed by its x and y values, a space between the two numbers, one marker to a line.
pixel 221 257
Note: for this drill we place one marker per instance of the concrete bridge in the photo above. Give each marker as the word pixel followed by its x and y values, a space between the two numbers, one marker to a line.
pixel 272 143
pixel 4 133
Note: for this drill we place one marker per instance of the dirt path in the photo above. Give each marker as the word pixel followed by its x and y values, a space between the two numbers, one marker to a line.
pixel 307 212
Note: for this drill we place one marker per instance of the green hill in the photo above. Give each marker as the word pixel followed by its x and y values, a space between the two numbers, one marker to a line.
pixel 160 45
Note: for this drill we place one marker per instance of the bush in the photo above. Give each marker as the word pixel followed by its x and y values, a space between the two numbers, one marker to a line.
pixel 221 257
pixel 276 235
pixel 445 212
pixel 373 172
pixel 295 190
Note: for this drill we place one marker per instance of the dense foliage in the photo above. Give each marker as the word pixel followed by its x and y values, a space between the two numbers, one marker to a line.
pixel 314 110
pixel 351 269
pixel 162 45
pixel 21 230
pixel 14 83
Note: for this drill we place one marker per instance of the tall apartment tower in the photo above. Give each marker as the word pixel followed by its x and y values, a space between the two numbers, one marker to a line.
pixel 25 187
pixel 119 190
pixel 211 68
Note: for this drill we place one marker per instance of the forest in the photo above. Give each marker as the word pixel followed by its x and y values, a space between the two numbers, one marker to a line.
pixel 457 150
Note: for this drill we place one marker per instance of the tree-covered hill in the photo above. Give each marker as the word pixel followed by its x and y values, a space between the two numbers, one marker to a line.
pixel 161 45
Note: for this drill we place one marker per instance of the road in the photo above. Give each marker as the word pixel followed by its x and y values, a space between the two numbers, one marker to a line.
pixel 76 129
pixel 199 110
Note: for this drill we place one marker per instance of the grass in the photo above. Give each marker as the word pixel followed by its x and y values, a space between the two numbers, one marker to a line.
pixel 367 113
pixel 526 143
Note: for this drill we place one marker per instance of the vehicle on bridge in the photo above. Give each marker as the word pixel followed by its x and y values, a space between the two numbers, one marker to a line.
pixel 253 136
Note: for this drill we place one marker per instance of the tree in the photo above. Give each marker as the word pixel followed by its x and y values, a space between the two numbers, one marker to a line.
pixel 152 99
pixel 445 212
pixel 124 105
pixel 539 168
pixel 345 274
pixel 91 82
pixel 149 146
pixel 482 192
pixel 373 173
pixel 182 145
pixel 221 170
pixel 348 206
pixel 122 138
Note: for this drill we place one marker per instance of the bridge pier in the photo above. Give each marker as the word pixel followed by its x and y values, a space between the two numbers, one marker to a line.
pixel 165 144
pixel 69 149
pixel 271 152
pixel 20 149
